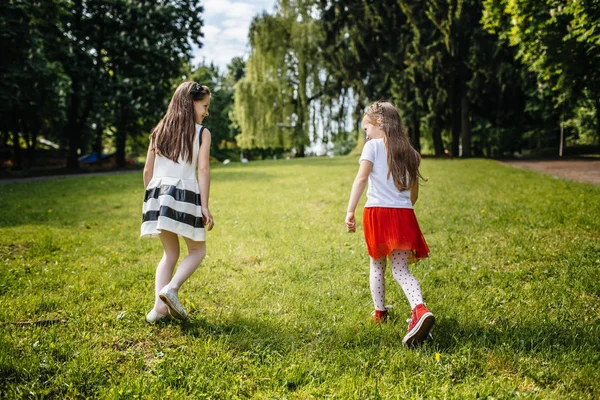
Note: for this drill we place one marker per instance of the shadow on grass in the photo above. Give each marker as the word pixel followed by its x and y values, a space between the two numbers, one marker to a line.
pixel 449 336
pixel 543 337
pixel 244 334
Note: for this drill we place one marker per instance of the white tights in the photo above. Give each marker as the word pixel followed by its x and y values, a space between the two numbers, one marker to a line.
pixel 187 266
pixel 400 272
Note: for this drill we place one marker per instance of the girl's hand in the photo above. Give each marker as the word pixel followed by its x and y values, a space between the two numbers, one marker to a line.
pixel 350 222
pixel 208 219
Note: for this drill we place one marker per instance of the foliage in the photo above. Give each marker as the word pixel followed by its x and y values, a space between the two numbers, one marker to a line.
pixel 112 62
pixel 281 305
pixel 454 78
pixel 470 78
pixel 135 51
pixel 221 106
pixel 558 41
pixel 273 100
pixel 33 85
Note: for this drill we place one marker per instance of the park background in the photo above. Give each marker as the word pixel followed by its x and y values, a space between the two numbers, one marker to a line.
pixel 470 78
pixel 280 307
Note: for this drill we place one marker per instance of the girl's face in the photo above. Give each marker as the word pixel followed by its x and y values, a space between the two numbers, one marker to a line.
pixel 372 130
pixel 201 109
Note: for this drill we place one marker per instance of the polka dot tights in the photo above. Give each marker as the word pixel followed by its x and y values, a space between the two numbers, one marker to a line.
pixel 409 283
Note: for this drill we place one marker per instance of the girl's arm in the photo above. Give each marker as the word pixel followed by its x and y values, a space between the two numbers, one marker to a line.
pixel 358 187
pixel 204 178
pixel 414 192
pixel 149 166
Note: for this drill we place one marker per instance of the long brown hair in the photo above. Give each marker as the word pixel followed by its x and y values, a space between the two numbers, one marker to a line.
pixel 174 135
pixel 403 160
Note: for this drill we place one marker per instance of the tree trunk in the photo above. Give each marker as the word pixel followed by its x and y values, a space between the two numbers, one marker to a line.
pixel 26 129
pixel 436 135
pixel 465 123
pixel 455 122
pixel 300 132
pixel 121 141
pixel 98 144
pixel 72 131
pixel 300 151
pixel 33 134
pixel 360 134
pixel 18 154
pixel 562 134
pixel 598 118
pixel 415 134
pixel 76 119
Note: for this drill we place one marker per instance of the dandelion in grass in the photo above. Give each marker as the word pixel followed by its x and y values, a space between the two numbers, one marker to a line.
pixel 49 211
pixel 483 211
pixel 438 356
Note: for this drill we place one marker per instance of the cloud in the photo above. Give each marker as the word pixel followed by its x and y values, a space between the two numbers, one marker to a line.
pixel 211 31
pixel 228 8
pixel 239 34
pixel 230 23
pixel 226 29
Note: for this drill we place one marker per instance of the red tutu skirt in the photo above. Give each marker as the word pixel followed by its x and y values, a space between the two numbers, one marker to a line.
pixel 389 229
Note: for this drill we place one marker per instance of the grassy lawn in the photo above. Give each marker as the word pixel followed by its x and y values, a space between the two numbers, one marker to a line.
pixel 281 306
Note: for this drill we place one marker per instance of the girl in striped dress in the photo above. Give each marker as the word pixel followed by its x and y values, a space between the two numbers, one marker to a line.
pixel 177 182
pixel 390 165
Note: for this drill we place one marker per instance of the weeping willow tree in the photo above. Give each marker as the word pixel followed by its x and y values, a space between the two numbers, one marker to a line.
pixel 272 101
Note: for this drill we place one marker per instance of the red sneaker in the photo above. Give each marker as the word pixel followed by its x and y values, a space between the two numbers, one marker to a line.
pixel 379 316
pixel 420 324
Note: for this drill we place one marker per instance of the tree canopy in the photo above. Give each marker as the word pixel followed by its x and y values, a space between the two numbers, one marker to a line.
pixel 469 78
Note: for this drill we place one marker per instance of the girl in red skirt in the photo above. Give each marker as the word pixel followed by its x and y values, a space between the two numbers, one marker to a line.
pixel 391 167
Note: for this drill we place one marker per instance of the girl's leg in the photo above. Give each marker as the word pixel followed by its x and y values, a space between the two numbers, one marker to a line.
pixel 377 282
pixel 187 266
pixel 409 283
pixel 164 270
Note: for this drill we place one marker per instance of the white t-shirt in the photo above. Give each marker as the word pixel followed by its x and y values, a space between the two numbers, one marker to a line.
pixel 382 192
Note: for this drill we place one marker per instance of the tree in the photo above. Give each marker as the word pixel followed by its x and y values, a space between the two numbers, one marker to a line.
pixel 360 52
pixel 146 56
pixel 559 41
pixel 124 55
pixel 32 86
pixel 221 104
pixel 272 101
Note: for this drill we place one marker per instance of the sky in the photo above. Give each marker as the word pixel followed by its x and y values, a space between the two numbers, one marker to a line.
pixel 226 24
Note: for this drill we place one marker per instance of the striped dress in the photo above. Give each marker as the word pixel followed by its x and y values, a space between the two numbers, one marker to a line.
pixel 172 200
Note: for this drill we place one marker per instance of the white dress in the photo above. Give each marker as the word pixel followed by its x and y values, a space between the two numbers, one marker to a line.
pixel 172 200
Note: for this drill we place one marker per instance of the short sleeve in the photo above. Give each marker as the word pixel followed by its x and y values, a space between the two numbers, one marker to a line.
pixel 368 152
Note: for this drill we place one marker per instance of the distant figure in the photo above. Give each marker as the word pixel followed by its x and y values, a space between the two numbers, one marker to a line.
pixel 391 166
pixel 176 201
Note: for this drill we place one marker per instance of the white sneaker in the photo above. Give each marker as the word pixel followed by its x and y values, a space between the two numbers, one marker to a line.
pixel 154 316
pixel 169 296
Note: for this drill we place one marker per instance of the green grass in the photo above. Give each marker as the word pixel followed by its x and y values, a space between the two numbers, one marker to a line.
pixel 281 304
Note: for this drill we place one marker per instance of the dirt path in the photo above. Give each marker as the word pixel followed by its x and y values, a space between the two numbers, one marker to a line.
pixel 575 170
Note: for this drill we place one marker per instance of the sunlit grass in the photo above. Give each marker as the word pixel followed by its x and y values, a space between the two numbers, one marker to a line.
pixel 281 304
